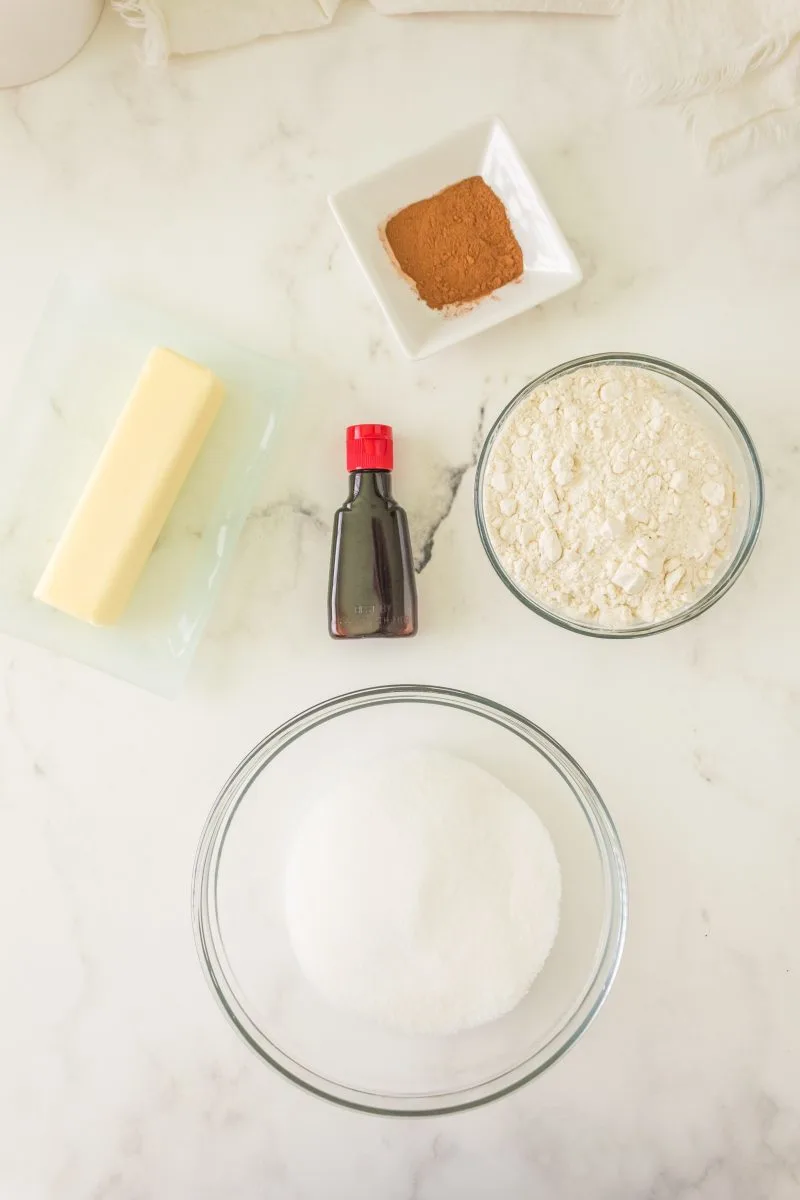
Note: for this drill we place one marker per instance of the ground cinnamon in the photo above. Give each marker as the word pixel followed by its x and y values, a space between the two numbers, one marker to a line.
pixel 456 246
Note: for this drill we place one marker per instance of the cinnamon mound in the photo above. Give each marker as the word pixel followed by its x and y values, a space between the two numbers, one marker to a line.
pixel 456 246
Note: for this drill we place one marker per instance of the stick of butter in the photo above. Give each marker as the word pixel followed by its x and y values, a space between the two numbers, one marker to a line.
pixel 111 533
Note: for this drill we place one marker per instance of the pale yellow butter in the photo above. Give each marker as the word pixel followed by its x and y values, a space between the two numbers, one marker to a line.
pixel 112 531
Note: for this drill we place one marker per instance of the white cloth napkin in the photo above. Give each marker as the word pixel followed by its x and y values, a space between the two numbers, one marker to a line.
pixel 589 8
pixel 733 67
pixel 191 26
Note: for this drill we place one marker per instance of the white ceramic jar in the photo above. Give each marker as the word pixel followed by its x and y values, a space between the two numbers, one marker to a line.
pixel 39 36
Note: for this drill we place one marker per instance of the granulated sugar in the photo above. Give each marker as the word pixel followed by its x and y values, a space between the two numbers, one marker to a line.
pixel 426 904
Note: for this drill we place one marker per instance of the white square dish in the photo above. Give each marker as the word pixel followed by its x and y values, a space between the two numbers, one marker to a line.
pixel 486 149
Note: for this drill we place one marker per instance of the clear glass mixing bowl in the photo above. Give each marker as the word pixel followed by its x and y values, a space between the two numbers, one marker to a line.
pixel 731 435
pixel 240 925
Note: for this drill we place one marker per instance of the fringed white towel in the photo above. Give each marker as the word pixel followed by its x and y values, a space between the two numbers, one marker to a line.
pixel 733 66
pixel 191 26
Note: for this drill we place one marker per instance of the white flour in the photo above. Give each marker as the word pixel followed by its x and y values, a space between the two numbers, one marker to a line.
pixel 427 904
pixel 607 498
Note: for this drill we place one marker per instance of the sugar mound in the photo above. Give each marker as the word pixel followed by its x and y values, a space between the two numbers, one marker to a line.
pixel 427 903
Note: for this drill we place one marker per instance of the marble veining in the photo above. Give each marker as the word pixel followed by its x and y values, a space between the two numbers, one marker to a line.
pixel 450 481
pixel 202 189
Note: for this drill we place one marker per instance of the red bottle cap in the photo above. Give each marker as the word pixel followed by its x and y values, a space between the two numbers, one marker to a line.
pixel 370 448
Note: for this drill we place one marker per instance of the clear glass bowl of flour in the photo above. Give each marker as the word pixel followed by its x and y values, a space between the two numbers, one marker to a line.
pixel 240 916
pixel 725 432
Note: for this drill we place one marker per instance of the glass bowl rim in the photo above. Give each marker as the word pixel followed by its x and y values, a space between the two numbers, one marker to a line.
pixel 717 403
pixel 210 945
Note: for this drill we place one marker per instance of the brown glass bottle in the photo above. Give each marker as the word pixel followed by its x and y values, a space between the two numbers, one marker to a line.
pixel 372 591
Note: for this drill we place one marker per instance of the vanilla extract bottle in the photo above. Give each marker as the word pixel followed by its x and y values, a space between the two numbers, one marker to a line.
pixel 372 590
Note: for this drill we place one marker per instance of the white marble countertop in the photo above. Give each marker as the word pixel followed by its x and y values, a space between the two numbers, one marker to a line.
pixel 203 190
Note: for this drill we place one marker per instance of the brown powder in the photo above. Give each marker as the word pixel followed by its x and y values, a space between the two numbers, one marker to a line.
pixel 456 246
